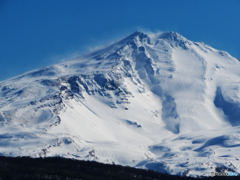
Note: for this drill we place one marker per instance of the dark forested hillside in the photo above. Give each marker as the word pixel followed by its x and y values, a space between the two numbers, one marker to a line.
pixel 56 168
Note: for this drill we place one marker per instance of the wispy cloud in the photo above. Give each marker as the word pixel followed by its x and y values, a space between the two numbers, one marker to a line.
pixel 153 34
pixel 96 43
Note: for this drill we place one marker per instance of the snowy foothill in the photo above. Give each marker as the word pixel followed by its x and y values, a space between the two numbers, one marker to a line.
pixel 156 101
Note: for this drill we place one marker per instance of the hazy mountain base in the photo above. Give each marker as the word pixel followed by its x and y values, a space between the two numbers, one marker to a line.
pixel 55 168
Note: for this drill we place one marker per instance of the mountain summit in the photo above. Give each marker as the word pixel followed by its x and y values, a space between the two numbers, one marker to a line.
pixel 160 102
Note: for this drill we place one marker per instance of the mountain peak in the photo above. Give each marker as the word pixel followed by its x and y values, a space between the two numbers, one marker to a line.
pixel 136 34
pixel 170 35
pixel 140 97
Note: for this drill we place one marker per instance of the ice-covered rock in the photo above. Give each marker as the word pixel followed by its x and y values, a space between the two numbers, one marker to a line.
pixel 160 102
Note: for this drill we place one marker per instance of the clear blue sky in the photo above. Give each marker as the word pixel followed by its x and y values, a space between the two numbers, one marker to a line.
pixel 36 33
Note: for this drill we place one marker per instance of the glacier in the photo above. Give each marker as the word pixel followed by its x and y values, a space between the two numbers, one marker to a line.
pixel 160 102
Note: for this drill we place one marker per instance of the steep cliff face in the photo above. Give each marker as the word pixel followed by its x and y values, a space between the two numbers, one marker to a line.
pixel 158 102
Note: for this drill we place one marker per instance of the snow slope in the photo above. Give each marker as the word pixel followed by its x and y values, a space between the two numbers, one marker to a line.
pixel 160 102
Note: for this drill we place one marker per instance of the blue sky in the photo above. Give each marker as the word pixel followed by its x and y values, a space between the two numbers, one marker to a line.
pixel 37 33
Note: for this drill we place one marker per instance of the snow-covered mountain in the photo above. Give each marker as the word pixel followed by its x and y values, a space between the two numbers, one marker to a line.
pixel 158 101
